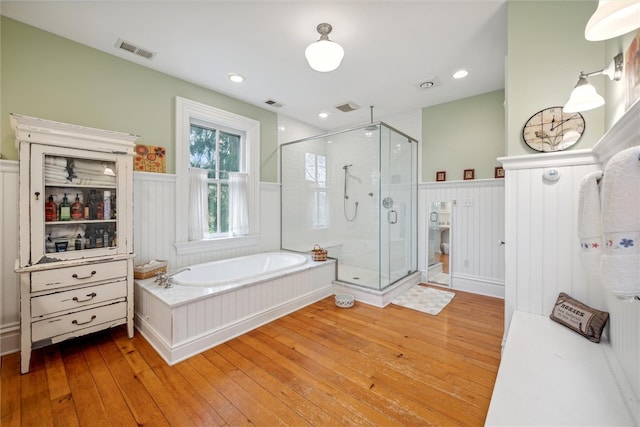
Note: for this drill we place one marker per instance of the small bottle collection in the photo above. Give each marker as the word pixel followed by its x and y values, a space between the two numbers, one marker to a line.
pixel 98 206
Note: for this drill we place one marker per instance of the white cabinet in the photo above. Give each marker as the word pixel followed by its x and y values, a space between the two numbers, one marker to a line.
pixel 76 231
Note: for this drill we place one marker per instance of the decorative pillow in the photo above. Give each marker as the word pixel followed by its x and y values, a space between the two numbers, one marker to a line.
pixel 581 318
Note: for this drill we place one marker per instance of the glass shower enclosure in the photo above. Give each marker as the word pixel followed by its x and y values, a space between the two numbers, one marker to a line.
pixel 355 194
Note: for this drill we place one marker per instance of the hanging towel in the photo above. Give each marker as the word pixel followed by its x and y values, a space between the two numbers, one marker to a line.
pixel 589 222
pixel 620 262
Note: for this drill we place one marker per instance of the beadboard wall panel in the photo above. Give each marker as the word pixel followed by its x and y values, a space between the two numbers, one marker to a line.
pixel 477 257
pixel 543 249
pixel 9 282
pixel 155 216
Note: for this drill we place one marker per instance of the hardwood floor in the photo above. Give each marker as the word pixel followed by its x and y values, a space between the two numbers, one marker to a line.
pixel 320 366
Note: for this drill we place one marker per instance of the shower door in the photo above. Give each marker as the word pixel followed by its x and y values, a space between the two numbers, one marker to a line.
pixel 398 201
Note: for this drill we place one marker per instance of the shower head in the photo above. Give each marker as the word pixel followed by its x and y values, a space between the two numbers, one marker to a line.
pixel 346 167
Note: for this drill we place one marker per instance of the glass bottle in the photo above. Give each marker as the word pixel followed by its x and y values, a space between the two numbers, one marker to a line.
pixel 93 208
pixel 77 211
pixel 99 236
pixel 99 209
pixel 79 242
pixel 106 204
pixel 49 244
pixel 65 209
pixel 50 210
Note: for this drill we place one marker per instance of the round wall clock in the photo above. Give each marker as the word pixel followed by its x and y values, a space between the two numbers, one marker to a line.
pixel 552 129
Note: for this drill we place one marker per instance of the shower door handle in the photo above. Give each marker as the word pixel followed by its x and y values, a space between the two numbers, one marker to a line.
pixel 392 217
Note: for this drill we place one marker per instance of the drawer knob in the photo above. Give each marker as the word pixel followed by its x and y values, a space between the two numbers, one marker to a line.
pixel 75 276
pixel 75 322
pixel 90 296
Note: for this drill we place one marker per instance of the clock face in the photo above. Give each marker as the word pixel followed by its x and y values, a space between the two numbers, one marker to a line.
pixel 553 130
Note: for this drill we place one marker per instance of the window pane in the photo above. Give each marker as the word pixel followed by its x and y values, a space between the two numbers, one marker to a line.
pixel 224 208
pixel 213 208
pixel 322 171
pixel 310 167
pixel 202 152
pixel 229 154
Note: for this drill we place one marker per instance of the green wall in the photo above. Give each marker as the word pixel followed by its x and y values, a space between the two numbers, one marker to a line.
pixel 546 52
pixel 463 134
pixel 50 77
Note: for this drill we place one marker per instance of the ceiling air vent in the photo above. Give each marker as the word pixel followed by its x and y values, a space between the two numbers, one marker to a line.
pixel 273 103
pixel 129 47
pixel 348 106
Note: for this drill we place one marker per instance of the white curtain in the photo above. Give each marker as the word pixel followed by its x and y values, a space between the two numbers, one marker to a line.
pixel 238 205
pixel 198 203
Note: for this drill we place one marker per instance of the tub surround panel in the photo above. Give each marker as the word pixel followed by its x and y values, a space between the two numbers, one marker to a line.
pixel 182 322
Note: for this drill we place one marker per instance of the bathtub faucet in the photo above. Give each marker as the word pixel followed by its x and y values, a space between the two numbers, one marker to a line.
pixel 164 279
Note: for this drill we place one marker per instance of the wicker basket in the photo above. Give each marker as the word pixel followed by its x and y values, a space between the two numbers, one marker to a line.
pixel 318 254
pixel 150 269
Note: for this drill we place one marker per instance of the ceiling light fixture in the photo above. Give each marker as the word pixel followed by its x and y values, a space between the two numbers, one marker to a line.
pixel 324 55
pixel 584 96
pixel 612 19
pixel 323 114
pixel 426 85
pixel 460 74
pixel 236 78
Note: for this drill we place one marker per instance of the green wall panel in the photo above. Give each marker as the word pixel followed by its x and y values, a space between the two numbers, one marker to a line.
pixel 47 76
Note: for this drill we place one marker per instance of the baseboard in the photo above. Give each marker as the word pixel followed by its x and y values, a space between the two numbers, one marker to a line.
pixel 478 285
pixel 184 350
pixel 9 338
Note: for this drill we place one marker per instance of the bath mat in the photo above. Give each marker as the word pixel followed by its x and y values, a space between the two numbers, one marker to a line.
pixel 427 300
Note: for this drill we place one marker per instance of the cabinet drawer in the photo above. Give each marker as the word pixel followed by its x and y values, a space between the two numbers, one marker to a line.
pixel 77 298
pixel 77 321
pixel 77 275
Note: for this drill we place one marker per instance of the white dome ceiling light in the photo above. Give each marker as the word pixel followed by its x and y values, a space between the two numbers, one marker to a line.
pixel 324 55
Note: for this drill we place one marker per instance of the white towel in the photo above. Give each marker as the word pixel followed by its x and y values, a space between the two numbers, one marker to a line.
pixel 589 222
pixel 620 263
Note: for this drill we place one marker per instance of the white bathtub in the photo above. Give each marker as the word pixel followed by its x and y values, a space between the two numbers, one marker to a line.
pixel 222 272
pixel 206 306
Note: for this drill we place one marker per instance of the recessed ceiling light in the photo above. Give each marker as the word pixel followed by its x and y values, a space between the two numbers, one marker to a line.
pixel 460 74
pixel 236 78
pixel 323 114
pixel 427 84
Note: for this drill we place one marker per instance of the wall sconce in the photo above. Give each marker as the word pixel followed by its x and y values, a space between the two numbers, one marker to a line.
pixel 584 96
pixel 612 19
pixel 324 55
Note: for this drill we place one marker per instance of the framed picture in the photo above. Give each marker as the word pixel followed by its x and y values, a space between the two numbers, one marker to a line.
pixel 499 172
pixel 632 71
pixel 149 158
pixel 469 173
pixel 441 176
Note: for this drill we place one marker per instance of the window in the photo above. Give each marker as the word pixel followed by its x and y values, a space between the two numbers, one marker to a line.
pixel 218 144
pixel 316 173
pixel 219 152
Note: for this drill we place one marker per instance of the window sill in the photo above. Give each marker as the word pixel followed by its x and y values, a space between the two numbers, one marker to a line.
pixel 187 248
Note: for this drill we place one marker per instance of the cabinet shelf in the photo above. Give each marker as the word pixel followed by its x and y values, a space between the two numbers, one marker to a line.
pixel 82 221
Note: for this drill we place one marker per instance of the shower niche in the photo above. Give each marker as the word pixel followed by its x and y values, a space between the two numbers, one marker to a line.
pixel 354 193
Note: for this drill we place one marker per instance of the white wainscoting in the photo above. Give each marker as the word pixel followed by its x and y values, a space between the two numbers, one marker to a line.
pixel 477 257
pixel 542 246
pixel 155 216
pixel 154 236
pixel 10 290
